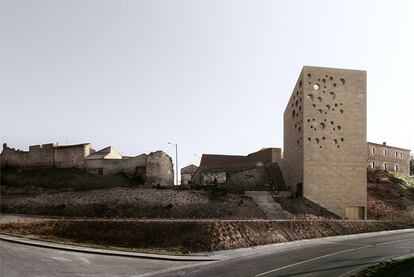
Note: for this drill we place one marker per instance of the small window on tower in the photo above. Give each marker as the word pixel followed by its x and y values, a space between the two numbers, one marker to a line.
pixel 385 152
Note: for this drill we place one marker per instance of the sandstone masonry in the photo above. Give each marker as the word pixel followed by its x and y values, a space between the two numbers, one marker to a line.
pixel 155 168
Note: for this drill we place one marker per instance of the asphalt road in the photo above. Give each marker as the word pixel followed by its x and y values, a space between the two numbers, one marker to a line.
pixel 328 257
pixel 325 258
pixel 25 261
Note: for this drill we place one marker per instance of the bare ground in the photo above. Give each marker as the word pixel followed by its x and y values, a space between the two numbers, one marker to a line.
pixel 136 203
pixel 191 236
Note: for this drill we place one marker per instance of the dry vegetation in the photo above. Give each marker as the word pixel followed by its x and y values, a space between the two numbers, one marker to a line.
pixel 191 236
pixel 135 202
pixel 390 196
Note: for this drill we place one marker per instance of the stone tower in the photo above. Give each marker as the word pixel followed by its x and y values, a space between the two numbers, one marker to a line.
pixel 325 142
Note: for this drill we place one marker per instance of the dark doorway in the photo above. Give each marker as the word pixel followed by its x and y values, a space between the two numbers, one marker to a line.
pixel 299 190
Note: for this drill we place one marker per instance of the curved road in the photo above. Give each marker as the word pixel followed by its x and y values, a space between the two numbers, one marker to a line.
pixel 321 257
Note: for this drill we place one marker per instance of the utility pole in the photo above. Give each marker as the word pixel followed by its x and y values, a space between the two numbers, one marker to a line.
pixel 176 162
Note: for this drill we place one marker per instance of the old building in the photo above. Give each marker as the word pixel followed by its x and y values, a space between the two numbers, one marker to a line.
pixel 155 168
pixel 385 157
pixel 47 155
pixel 324 155
pixel 187 174
pixel 69 156
pixel 213 167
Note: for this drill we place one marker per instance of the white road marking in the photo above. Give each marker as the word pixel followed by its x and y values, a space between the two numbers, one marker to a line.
pixel 172 269
pixel 85 260
pixel 394 241
pixel 332 254
pixel 309 260
pixel 61 259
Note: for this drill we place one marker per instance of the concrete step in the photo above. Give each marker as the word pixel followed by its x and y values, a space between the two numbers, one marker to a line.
pixel 266 203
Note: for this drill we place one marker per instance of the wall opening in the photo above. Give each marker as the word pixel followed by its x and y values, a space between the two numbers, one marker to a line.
pixel 299 190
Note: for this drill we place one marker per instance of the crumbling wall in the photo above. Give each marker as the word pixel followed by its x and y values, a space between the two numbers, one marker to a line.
pixel 213 178
pixel 133 167
pixel 41 155
pixel 68 157
pixel 159 169
pixel 37 156
pixel 11 157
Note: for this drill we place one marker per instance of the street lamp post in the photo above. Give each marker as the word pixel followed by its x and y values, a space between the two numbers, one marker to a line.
pixel 176 162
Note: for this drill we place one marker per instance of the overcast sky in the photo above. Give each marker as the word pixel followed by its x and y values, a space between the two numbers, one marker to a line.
pixel 213 76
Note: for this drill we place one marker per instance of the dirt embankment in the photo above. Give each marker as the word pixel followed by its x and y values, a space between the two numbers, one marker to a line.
pixel 136 203
pixel 34 181
pixel 390 196
pixel 191 236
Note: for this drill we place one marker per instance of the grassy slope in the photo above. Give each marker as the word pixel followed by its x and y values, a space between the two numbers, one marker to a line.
pixel 390 196
pixel 403 267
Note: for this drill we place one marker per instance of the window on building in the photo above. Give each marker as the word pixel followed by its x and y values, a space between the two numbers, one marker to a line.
pixel 373 150
pixel 397 168
pixel 401 155
pixel 384 166
pixel 385 152
pixel 373 165
pixel 396 154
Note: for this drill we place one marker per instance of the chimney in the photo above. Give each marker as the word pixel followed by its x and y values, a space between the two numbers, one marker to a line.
pixel 384 143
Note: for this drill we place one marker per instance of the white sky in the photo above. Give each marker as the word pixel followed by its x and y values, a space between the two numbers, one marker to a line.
pixel 214 76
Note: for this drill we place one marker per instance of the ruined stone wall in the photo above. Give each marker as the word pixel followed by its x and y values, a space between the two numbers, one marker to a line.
pixel 41 155
pixel 388 158
pixel 11 157
pixel 37 156
pixel 159 169
pixel 70 156
pixel 213 178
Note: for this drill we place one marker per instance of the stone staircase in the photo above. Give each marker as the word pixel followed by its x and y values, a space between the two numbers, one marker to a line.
pixel 266 203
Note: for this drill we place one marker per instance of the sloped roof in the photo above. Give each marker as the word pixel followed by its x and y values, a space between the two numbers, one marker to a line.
pixel 189 169
pixel 72 145
pixel 101 154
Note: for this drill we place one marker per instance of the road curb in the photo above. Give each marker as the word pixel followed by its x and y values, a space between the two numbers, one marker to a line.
pixel 261 249
pixel 81 249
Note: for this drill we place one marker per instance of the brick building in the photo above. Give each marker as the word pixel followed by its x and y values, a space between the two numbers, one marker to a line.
pixel 325 140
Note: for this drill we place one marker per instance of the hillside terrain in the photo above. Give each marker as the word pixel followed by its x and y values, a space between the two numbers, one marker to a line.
pixel 72 192
pixel 190 236
pixel 390 196
pixel 134 202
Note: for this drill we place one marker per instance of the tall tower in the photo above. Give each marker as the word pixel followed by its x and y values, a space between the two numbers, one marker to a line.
pixel 325 142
